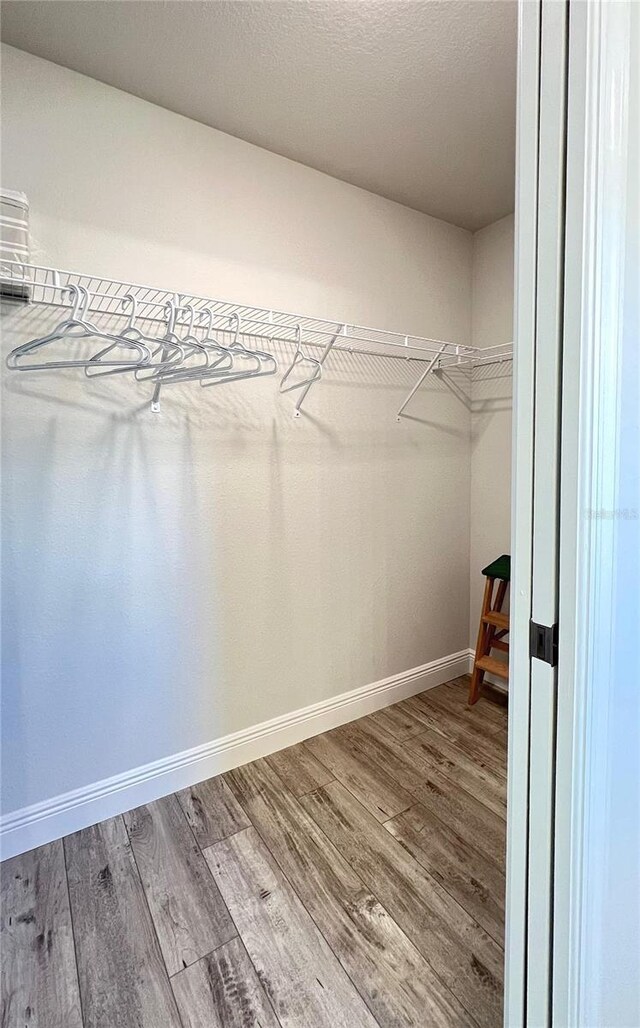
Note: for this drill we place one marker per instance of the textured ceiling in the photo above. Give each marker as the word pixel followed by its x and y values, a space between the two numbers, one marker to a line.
pixel 411 100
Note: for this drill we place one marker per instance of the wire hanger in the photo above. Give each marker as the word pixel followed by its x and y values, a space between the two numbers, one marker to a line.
pixel 76 328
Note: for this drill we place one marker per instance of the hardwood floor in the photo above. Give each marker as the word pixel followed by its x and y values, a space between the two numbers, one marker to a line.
pixel 354 880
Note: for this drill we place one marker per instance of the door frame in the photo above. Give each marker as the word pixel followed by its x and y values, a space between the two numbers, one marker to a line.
pixel 598 127
pixel 539 288
pixel 526 232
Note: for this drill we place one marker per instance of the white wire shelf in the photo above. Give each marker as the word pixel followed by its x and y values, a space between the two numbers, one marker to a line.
pixel 482 356
pixel 38 284
pixel 47 285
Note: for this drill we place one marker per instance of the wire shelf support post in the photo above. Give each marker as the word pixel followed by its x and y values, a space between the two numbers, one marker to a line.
pixel 427 371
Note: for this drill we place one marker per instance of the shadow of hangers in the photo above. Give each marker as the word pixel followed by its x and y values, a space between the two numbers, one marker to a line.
pixel 20 388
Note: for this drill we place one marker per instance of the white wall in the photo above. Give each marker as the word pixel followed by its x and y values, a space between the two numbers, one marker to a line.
pixel 492 324
pixel 169 580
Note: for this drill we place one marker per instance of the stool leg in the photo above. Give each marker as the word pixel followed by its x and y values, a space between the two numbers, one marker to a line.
pixel 500 595
pixel 497 606
pixel 478 674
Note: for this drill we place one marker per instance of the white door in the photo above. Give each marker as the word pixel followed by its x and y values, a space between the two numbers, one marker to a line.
pixel 540 216
pixel 573 874
pixel 596 943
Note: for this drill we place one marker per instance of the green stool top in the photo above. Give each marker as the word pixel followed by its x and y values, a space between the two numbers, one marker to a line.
pixel 500 568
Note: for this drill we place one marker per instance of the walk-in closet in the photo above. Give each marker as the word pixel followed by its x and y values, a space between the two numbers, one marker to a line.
pixel 257 266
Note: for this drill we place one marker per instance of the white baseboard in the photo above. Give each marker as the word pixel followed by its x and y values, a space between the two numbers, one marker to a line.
pixel 22 830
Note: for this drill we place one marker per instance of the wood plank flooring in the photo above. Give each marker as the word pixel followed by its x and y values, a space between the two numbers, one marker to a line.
pixel 352 881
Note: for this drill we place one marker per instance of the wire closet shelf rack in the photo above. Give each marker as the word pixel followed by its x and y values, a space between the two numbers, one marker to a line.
pixel 39 285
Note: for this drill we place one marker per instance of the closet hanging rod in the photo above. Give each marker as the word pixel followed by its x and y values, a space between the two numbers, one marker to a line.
pixel 45 286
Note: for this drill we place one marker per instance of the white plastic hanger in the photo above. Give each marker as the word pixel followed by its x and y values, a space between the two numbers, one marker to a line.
pixel 72 329
pixel 132 333
pixel 215 357
pixel 264 363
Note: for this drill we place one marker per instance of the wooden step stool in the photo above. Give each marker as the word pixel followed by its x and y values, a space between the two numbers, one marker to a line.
pixel 494 625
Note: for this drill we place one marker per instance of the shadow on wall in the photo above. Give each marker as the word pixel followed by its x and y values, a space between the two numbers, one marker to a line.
pixel 96 542
pixel 492 388
pixel 126 398
pixel 170 579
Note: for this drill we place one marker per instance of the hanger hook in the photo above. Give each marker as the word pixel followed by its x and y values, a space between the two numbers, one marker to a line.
pixel 171 310
pixel 235 317
pixel 208 314
pixel 86 298
pixel 76 298
pixel 189 307
pixel 129 300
